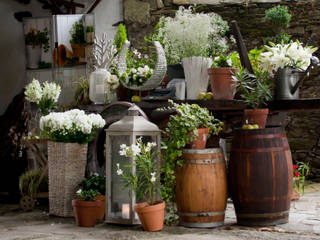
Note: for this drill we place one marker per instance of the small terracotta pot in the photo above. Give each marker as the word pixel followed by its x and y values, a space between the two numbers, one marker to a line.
pixel 201 140
pixel 222 86
pixel 85 212
pixel 151 217
pixel 102 208
pixel 256 116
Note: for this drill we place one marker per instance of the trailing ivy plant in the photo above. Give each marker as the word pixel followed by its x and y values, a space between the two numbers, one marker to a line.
pixel 187 119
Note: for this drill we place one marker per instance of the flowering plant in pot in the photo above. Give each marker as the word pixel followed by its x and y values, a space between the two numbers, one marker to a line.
pixel 221 72
pixel 145 183
pixel 192 38
pixel 286 62
pixel 182 129
pixel 97 183
pixel 45 95
pixel 85 207
pixel 255 92
pixel 68 132
pixel 300 171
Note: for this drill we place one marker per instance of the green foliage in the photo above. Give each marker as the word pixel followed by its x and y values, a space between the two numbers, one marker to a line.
pixel 29 182
pixel 283 38
pixel 36 37
pixel 77 33
pixel 227 61
pixel 278 16
pixel 187 120
pixel 94 182
pixel 87 195
pixel 255 89
pixel 81 94
pixel 89 29
pixel 121 37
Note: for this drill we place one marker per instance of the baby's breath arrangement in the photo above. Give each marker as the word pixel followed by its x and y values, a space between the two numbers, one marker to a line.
pixel 45 95
pixel 72 126
pixel 191 34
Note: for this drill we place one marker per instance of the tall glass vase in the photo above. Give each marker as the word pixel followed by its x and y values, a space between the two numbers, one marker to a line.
pixel 196 75
pixel 98 86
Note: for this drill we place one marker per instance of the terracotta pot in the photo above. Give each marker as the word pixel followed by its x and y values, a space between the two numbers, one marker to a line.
pixel 78 50
pixel 256 116
pixel 151 217
pixel 85 212
pixel 201 140
pixel 221 85
pixel 102 207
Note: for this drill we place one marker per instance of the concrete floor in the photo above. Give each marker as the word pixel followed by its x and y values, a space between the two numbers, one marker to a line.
pixel 304 223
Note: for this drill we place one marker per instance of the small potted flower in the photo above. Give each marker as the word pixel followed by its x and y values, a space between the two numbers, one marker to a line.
pixel 221 72
pixel 44 95
pixel 300 171
pixel 78 40
pixel 145 183
pixel 35 41
pixel 97 183
pixel 85 207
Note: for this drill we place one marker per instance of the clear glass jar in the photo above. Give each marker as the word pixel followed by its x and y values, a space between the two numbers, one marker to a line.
pixel 98 86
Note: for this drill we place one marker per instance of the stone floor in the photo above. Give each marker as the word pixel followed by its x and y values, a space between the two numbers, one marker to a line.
pixel 304 223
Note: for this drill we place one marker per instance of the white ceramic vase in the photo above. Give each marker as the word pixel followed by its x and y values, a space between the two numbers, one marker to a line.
pixel 33 56
pixel 196 75
pixel 98 86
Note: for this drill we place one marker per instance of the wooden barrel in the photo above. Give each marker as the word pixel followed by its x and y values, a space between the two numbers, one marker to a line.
pixel 260 171
pixel 201 190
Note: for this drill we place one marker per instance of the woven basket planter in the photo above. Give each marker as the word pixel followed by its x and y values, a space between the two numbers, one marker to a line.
pixel 67 164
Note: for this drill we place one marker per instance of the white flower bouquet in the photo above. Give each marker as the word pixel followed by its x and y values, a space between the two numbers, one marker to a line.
pixel 72 126
pixel 280 56
pixel 45 95
pixel 191 34
pixel 144 182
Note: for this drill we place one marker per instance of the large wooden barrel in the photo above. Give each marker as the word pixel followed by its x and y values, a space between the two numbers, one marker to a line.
pixel 201 190
pixel 260 171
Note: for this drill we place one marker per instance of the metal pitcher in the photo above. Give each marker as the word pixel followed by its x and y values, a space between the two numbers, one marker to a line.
pixel 288 80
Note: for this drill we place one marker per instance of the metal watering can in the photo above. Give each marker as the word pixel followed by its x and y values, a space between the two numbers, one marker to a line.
pixel 289 79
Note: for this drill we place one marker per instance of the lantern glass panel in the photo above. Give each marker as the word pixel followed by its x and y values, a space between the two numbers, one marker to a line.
pixel 119 197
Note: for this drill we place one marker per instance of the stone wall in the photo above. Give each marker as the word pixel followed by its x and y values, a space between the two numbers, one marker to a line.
pixel 303 129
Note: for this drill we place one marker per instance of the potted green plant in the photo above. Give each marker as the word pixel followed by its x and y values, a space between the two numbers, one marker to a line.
pixel 97 183
pixel 278 17
pixel 145 183
pixel 221 72
pixel 192 38
pixel 255 92
pixel 35 41
pixel 89 34
pixel 85 207
pixel 77 40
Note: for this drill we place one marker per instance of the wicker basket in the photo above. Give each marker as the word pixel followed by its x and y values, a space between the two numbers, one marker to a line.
pixel 67 164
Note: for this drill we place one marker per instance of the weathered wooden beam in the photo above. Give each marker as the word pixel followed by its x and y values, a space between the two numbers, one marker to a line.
pixel 94 5
pixel 243 52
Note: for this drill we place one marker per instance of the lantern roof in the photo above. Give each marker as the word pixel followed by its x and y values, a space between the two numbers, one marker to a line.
pixel 133 123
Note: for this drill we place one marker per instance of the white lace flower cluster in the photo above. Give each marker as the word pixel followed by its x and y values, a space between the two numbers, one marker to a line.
pixel 286 55
pixel 34 92
pixel 192 34
pixel 70 123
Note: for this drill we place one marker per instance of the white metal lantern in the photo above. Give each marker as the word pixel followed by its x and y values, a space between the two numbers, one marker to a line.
pixel 120 207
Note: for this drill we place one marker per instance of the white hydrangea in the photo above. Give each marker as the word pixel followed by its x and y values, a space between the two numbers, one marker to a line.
pixel 286 55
